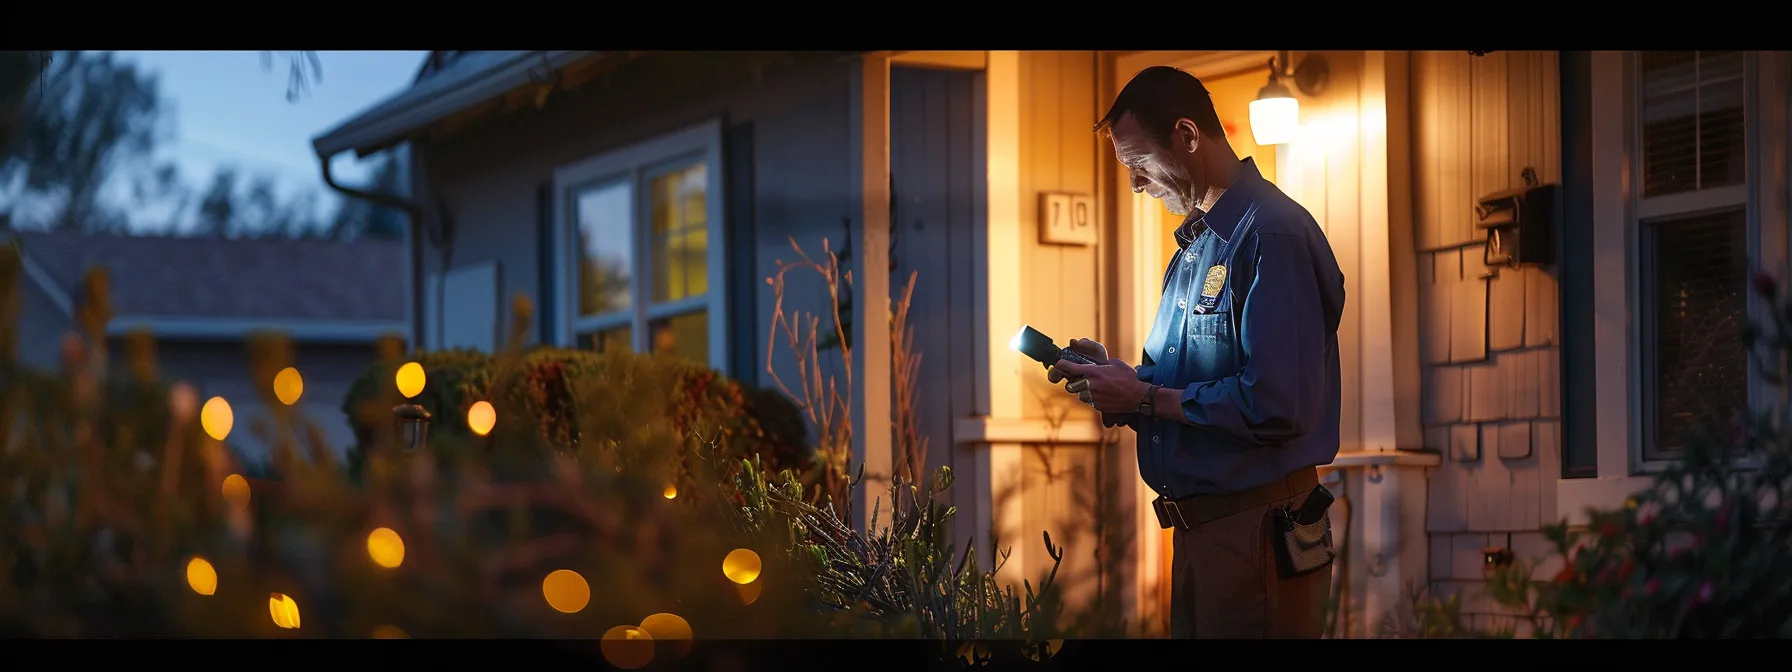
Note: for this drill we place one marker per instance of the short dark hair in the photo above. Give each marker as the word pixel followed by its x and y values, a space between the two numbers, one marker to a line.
pixel 1157 97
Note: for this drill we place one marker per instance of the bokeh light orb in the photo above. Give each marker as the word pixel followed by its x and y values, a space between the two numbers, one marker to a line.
pixel 236 490
pixel 670 492
pixel 741 566
pixel 201 576
pixel 749 593
pixel 627 647
pixel 216 418
pixel 482 417
pixel 671 629
pixel 389 632
pixel 288 386
pixel 566 591
pixel 284 610
pixel 385 547
pixel 410 379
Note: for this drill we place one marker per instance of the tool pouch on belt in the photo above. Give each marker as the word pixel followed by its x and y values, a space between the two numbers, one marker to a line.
pixel 1302 537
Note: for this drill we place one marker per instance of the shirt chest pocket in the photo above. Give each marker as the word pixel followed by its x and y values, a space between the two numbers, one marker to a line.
pixel 1209 349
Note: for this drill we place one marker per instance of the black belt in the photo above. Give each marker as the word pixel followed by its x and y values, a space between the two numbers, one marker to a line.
pixel 1191 512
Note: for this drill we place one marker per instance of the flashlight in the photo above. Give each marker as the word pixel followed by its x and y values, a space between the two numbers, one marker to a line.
pixel 1028 341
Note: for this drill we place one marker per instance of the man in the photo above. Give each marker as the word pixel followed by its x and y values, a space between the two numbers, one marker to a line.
pixel 1237 399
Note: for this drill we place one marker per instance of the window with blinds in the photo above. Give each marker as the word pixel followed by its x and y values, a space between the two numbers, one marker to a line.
pixel 1697 365
pixel 1692 121
pixel 1695 256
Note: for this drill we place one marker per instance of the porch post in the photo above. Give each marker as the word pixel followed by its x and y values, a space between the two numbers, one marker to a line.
pixel 871 439
pixel 999 464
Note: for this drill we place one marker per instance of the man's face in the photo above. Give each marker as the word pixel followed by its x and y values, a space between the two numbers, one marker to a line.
pixel 1164 173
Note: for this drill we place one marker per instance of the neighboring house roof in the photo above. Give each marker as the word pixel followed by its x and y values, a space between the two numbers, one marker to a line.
pixel 448 83
pixel 223 288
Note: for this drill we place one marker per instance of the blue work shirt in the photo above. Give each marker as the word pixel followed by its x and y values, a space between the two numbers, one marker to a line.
pixel 1257 362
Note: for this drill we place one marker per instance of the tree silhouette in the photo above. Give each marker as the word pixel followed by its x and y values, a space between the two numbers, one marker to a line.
pixel 85 118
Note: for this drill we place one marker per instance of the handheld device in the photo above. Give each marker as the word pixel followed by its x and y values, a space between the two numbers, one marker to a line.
pixel 1315 506
pixel 1028 341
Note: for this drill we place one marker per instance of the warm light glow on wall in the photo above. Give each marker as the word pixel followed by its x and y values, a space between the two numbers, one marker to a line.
pixel 1274 121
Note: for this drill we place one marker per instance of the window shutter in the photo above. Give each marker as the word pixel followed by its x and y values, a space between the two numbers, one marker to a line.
pixel 1691 120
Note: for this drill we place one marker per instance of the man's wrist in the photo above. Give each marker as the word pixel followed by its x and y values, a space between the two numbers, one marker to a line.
pixel 1147 402
pixel 1163 400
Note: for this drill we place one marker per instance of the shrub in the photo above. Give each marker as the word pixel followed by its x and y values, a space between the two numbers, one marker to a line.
pixel 546 395
pixel 1705 551
pixel 117 524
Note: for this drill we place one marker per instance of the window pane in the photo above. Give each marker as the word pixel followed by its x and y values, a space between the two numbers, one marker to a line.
pixel 606 239
pixel 680 233
pixel 684 335
pixel 1692 120
pixel 1700 365
pixel 614 339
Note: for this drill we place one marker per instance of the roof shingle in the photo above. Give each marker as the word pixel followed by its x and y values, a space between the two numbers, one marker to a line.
pixel 223 278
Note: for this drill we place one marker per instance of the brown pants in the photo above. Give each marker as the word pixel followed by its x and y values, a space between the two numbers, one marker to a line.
pixel 1224 583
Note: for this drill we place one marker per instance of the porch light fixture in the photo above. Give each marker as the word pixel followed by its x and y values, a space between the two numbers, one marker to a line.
pixel 412 419
pixel 413 425
pixel 1275 114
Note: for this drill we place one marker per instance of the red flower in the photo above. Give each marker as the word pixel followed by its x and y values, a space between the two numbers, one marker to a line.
pixel 1626 570
pixel 1645 519
pixel 1651 586
pixel 1566 576
pixel 1609 531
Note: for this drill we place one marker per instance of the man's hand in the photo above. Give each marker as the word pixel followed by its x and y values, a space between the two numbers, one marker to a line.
pixel 1096 352
pixel 1113 388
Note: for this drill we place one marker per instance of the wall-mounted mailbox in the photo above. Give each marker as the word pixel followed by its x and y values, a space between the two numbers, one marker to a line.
pixel 1066 219
pixel 1519 223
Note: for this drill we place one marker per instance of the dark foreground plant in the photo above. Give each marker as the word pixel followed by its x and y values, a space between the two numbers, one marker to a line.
pixel 128 516
pixel 1704 552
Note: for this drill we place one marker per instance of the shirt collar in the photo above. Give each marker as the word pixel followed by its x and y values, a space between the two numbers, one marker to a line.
pixel 1228 211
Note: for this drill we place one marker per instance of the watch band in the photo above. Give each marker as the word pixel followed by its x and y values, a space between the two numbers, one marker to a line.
pixel 1148 405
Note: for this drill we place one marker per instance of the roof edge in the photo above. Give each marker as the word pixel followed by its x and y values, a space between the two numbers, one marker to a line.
pixel 57 294
pixel 299 329
pixel 435 99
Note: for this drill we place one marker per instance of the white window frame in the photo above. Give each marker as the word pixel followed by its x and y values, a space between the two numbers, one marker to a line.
pixel 637 164
pixel 1619 413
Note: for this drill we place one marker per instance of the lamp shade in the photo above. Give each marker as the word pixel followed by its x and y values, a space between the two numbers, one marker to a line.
pixel 1274 120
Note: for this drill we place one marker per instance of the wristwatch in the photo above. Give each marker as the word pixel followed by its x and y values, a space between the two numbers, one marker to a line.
pixel 1148 405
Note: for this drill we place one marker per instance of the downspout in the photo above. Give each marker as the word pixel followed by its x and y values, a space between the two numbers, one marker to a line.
pixel 436 231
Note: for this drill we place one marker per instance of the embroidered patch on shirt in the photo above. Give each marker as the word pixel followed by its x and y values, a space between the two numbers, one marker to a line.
pixel 1210 290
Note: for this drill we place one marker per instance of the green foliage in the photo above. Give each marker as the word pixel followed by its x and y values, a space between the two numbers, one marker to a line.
pixel 117 488
pixel 1704 552
pixel 546 390
pixel 909 576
